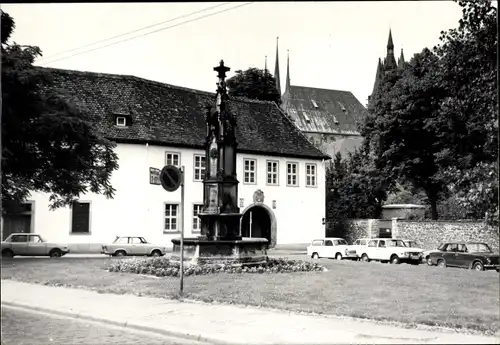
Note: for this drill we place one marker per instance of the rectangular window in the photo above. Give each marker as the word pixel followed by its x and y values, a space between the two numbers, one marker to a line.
pixel 80 218
pixel 171 217
pixel 172 158
pixel 272 173
pixel 199 167
pixel 311 175
pixel 292 174
pixel 249 169
pixel 121 121
pixel 196 219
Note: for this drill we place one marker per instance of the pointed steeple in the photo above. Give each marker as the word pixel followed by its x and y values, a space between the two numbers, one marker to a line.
pixel 277 69
pixel 287 88
pixel 378 75
pixel 401 60
pixel 390 60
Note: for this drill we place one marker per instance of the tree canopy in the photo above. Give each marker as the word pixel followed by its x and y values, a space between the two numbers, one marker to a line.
pixel 254 83
pixel 48 142
pixel 434 124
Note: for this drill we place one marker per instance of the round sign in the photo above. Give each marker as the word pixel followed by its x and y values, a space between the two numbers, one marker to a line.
pixel 170 178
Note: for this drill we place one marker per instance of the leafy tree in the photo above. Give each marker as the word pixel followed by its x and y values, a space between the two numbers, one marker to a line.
pixel 254 83
pixel 468 118
pixel 404 144
pixel 48 143
pixel 356 189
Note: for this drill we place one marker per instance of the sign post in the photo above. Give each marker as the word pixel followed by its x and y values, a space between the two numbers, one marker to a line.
pixel 171 178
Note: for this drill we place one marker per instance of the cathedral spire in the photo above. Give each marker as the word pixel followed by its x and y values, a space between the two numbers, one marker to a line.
pixel 277 69
pixel 390 60
pixel 401 60
pixel 287 87
pixel 390 44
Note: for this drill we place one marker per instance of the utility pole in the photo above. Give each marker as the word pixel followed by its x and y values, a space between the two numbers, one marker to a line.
pixel 182 233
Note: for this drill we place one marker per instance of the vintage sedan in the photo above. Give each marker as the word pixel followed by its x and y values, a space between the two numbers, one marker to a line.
pixel 474 255
pixel 26 244
pixel 330 247
pixel 133 245
pixel 390 250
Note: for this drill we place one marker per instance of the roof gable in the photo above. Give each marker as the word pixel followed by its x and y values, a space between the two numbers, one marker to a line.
pixel 175 116
pixel 323 110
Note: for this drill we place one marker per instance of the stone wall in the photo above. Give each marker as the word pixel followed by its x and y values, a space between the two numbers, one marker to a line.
pixel 429 234
pixel 352 229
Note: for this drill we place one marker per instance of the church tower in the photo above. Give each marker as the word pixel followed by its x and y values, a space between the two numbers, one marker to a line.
pixel 277 69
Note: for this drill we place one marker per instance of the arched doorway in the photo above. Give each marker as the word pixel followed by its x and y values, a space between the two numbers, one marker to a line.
pixel 259 221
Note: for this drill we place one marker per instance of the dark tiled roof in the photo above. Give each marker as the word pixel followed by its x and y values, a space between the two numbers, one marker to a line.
pixel 169 115
pixel 337 111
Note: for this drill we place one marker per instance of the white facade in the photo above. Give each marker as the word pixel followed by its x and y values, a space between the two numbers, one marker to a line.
pixel 138 207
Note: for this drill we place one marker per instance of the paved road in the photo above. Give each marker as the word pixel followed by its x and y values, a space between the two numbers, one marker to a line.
pixel 22 327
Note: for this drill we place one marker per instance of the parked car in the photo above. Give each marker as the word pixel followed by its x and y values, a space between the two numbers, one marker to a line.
pixel 330 247
pixel 133 245
pixel 474 255
pixel 356 247
pixel 390 250
pixel 24 244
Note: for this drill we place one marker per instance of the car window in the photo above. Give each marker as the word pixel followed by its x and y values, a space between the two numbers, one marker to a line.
pixel 372 243
pixel 452 247
pixel 395 243
pixel 342 242
pixel 381 244
pixel 478 248
pixel 121 240
pixel 19 238
pixel 443 247
pixel 35 239
pixel 143 240
pixel 462 248
pixel 135 240
pixel 329 243
pixel 356 242
pixel 317 243
pixel 362 242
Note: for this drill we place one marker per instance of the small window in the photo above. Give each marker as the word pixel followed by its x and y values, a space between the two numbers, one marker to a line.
pixel 196 220
pixel 199 167
pixel 292 174
pixel 372 243
pixel 314 103
pixel 306 117
pixel 317 243
pixel 272 173
pixel 121 121
pixel 311 175
pixel 80 218
pixel 249 170
pixel 172 158
pixel 171 215
pixel 328 243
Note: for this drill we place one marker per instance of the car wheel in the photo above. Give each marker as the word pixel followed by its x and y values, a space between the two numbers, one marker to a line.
pixel 428 260
pixel 156 253
pixel 338 256
pixel 55 253
pixel 315 256
pixel 120 253
pixel 441 263
pixel 7 254
pixel 365 258
pixel 395 260
pixel 477 266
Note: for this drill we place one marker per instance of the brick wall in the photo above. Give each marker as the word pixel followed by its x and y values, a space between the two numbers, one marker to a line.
pixel 429 234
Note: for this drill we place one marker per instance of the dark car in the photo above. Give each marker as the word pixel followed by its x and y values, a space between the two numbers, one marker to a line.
pixel 474 255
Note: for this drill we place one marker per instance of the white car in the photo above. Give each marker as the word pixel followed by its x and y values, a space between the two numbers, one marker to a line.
pixel 27 244
pixel 357 246
pixel 133 245
pixel 330 247
pixel 390 250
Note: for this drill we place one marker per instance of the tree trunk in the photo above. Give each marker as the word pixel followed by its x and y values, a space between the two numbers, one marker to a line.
pixel 434 213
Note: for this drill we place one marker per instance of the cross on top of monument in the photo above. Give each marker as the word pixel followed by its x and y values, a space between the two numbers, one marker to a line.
pixel 221 70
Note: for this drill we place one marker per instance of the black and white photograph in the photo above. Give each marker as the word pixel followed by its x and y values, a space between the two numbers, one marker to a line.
pixel 250 173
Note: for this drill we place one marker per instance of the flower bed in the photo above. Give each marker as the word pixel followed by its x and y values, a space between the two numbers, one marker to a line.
pixel 163 267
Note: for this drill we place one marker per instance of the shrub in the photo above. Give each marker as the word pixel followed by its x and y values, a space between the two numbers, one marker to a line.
pixel 163 267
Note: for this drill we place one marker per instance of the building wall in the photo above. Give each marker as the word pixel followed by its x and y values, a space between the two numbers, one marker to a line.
pixel 138 207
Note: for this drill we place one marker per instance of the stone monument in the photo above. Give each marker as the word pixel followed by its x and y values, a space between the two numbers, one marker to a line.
pixel 220 240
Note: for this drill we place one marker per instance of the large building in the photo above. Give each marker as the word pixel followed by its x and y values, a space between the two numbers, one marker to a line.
pixel 330 119
pixel 281 174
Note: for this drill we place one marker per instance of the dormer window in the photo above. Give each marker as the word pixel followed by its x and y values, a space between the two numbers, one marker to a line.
pixel 335 120
pixel 342 106
pixel 314 103
pixel 308 120
pixel 121 121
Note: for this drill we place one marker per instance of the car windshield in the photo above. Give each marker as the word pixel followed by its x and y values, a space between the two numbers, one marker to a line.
pixel 411 244
pixel 478 248
pixel 340 242
pixel 395 243
pixel 442 246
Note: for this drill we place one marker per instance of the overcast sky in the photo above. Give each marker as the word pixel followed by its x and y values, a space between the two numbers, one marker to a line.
pixel 333 45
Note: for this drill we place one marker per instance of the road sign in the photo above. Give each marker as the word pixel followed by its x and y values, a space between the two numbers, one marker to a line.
pixel 154 176
pixel 170 178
